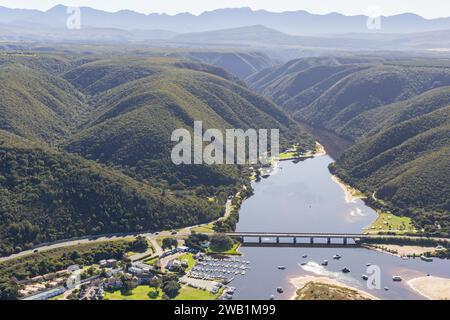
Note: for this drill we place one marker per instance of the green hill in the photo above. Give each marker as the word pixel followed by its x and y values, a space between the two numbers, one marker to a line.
pixel 85 144
pixel 35 103
pixel 48 195
pixel 132 122
pixel 395 113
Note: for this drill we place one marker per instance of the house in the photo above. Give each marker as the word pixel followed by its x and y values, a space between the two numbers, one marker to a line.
pixel 185 263
pixel 135 270
pixel 113 283
pixel 174 265
pixel 102 263
pixel 112 263
pixel 183 249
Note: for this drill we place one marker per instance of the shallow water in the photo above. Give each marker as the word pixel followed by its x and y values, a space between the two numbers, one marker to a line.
pixel 302 198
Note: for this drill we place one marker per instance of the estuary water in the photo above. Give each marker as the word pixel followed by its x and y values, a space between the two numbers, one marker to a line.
pixel 302 197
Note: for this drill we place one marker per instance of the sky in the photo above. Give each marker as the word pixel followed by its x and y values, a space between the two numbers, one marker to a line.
pixel 426 8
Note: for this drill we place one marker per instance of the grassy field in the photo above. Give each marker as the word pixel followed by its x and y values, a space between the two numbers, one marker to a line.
pixel 206 228
pixel 151 261
pixel 138 293
pixel 232 251
pixel 141 293
pixel 288 155
pixel 392 223
pixel 189 293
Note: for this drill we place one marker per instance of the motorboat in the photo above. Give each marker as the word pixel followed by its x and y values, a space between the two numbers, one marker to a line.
pixel 324 263
pixel 345 270
pixel 336 257
pixel 397 278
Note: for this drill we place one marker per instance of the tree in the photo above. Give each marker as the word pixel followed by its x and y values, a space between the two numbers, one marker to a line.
pixel 221 243
pixel 139 245
pixel 171 288
pixel 169 242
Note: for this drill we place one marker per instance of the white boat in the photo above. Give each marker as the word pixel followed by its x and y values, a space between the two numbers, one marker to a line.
pixel 397 278
pixel 345 270
pixel 305 256
pixel 324 263
pixel 336 257
pixel 427 259
pixel 364 277
pixel 272 297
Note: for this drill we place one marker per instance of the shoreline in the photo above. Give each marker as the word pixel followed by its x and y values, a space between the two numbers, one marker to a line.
pixel 430 287
pixel 302 281
pixel 351 194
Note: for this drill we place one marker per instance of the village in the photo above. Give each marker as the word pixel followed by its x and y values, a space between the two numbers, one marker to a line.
pixel 177 272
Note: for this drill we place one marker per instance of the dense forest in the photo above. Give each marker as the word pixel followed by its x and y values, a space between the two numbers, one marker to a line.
pixel 85 143
pixel 396 115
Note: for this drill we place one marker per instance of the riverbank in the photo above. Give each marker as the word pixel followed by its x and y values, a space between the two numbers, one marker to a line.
pixel 401 251
pixel 433 288
pixel 326 288
pixel 351 194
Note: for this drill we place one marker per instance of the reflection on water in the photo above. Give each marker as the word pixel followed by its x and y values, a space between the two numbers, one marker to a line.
pixel 302 198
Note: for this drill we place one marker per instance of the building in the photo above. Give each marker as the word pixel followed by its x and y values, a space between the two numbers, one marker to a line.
pixel 112 263
pixel 173 265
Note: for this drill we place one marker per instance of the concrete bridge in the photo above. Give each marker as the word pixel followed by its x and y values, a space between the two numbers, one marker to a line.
pixel 313 236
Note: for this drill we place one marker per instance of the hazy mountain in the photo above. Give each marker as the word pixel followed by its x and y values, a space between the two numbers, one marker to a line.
pixel 295 22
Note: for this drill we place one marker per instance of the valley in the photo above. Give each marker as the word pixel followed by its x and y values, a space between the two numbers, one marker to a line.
pixel 87 174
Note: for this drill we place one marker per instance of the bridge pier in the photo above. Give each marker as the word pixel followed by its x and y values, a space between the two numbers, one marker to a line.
pixel 311 240
pixel 328 240
pixel 295 240
pixel 278 239
pixel 345 240
pixel 260 239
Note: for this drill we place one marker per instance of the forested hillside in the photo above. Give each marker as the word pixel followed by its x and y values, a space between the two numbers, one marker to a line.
pixel 48 195
pixel 85 144
pixel 395 113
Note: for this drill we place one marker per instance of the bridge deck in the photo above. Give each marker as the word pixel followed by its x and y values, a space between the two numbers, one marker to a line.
pixel 329 235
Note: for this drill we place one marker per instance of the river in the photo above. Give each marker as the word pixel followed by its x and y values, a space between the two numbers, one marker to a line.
pixel 302 197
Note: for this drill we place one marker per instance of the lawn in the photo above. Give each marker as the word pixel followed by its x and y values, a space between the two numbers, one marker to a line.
pixel 189 293
pixel 190 259
pixel 288 155
pixel 151 261
pixel 141 293
pixel 206 228
pixel 138 293
pixel 389 222
pixel 232 251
